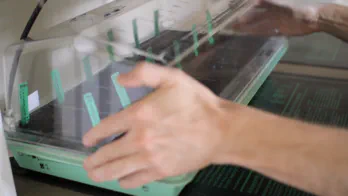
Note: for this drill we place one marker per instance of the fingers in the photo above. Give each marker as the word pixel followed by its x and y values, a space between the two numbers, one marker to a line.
pixel 113 151
pixel 253 16
pixel 150 75
pixel 119 168
pixel 256 22
pixel 115 124
pixel 139 179
pixel 144 74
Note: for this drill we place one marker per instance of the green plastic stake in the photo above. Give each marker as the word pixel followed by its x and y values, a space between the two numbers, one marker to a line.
pixel 195 39
pixel 210 27
pixel 135 33
pixel 57 85
pixel 149 59
pixel 111 35
pixel 157 27
pixel 24 105
pixel 177 53
pixel 92 109
pixel 121 91
pixel 110 48
pixel 87 68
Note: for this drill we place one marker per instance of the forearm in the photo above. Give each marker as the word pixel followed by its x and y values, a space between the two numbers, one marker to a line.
pixel 333 19
pixel 309 157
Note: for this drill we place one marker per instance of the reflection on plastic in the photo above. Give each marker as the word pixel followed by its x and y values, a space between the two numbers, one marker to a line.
pixel 34 101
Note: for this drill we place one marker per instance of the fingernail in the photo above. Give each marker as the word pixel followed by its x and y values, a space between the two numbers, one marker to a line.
pixel 98 175
pixel 87 164
pixel 86 142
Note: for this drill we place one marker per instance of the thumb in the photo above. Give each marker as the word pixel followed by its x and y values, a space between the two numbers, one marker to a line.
pixel 146 74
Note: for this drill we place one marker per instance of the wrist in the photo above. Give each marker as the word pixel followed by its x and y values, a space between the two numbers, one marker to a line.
pixel 235 123
pixel 310 15
pixel 247 133
pixel 322 19
pixel 333 19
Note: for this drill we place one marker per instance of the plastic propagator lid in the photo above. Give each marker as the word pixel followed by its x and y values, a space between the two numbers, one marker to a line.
pixel 74 78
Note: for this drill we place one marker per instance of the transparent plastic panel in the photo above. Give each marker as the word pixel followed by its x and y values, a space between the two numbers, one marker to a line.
pixel 75 77
pixel 158 25
pixel 75 80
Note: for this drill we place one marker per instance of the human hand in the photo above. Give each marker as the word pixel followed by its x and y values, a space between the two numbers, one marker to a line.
pixel 279 17
pixel 175 130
